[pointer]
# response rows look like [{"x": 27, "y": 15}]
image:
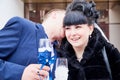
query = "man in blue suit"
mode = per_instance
[{"x": 19, "y": 45}]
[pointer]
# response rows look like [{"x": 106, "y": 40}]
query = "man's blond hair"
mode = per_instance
[{"x": 47, "y": 15}]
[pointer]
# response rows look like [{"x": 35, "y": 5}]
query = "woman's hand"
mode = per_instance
[{"x": 33, "y": 72}]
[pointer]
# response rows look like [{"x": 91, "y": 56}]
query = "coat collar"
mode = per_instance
[{"x": 95, "y": 44}]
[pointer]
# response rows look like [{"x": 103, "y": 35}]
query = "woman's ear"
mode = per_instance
[{"x": 91, "y": 29}]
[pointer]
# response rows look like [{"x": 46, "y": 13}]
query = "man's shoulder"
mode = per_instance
[{"x": 18, "y": 19}]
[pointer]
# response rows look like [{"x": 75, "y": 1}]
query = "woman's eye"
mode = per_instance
[
  {"x": 77, "y": 27},
  {"x": 67, "y": 28}
]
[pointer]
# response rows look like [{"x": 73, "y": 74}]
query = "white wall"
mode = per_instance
[
  {"x": 114, "y": 26},
  {"x": 10, "y": 8}
]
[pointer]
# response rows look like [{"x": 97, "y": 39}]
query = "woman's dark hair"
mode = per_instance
[{"x": 81, "y": 12}]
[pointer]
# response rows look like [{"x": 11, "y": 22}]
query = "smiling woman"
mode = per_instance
[{"x": 83, "y": 45}]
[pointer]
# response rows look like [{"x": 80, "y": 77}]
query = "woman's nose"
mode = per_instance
[{"x": 73, "y": 32}]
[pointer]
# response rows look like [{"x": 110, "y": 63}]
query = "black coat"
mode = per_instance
[{"x": 92, "y": 66}]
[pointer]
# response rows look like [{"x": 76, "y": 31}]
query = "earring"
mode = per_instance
[{"x": 90, "y": 36}]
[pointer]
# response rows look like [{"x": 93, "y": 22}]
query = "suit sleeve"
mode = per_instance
[{"x": 9, "y": 40}]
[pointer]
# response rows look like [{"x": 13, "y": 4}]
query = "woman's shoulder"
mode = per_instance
[{"x": 111, "y": 50}]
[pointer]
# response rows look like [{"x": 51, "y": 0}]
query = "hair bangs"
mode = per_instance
[{"x": 74, "y": 18}]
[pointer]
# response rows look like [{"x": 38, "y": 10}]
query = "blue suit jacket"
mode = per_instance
[{"x": 18, "y": 47}]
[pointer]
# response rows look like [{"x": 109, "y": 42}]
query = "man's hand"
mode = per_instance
[{"x": 33, "y": 72}]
